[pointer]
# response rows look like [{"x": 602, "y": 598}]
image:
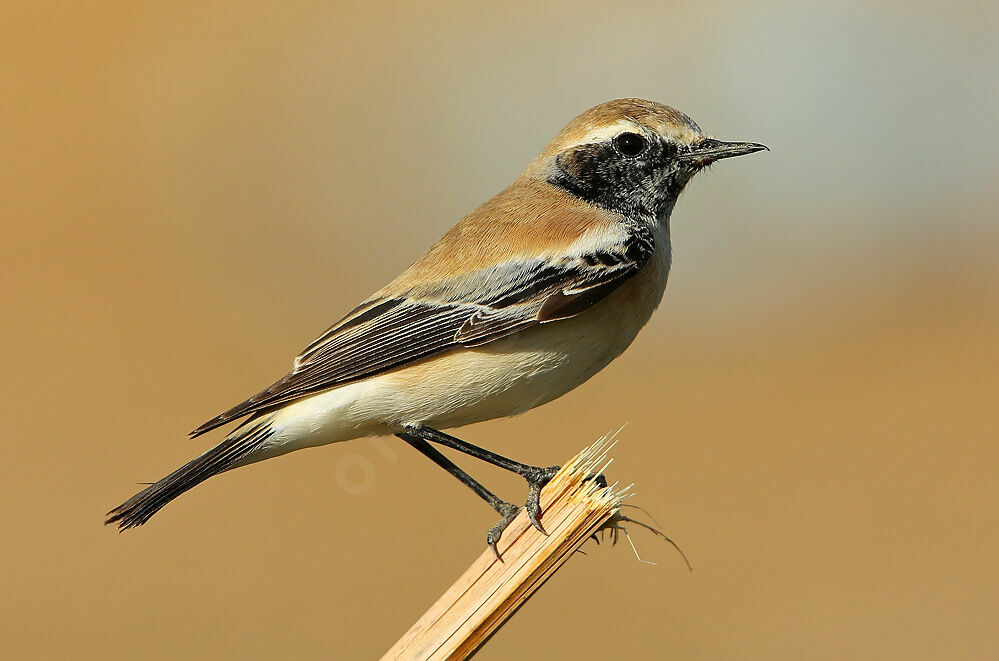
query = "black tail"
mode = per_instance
[{"x": 136, "y": 510}]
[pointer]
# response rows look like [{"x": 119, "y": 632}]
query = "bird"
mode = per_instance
[{"x": 523, "y": 300}]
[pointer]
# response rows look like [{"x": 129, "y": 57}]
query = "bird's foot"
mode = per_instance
[
  {"x": 509, "y": 512},
  {"x": 537, "y": 477}
]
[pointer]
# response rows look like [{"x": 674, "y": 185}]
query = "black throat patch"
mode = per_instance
[{"x": 637, "y": 187}]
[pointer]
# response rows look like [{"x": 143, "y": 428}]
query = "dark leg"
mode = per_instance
[
  {"x": 537, "y": 477},
  {"x": 507, "y": 510}
]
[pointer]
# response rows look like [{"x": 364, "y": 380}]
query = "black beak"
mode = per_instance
[{"x": 709, "y": 150}]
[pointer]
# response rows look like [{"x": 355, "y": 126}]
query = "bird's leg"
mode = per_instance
[
  {"x": 506, "y": 510},
  {"x": 435, "y": 456},
  {"x": 537, "y": 476}
]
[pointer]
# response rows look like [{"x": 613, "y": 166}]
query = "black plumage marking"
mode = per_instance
[
  {"x": 562, "y": 306},
  {"x": 544, "y": 279},
  {"x": 139, "y": 508},
  {"x": 640, "y": 244},
  {"x": 607, "y": 259},
  {"x": 367, "y": 315},
  {"x": 638, "y": 187}
]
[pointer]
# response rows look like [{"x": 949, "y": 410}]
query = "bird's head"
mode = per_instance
[{"x": 631, "y": 156}]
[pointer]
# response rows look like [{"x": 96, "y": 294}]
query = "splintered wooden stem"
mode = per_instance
[{"x": 491, "y": 590}]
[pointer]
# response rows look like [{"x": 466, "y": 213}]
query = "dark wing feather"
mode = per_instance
[{"x": 386, "y": 334}]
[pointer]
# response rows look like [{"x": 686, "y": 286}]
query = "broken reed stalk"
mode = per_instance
[{"x": 490, "y": 590}]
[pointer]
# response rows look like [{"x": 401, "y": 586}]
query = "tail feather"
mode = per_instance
[{"x": 139, "y": 508}]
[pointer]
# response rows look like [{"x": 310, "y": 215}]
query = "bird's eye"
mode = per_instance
[{"x": 630, "y": 144}]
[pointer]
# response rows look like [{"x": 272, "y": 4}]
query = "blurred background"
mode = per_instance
[{"x": 192, "y": 191}]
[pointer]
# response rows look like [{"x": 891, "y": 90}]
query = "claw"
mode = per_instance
[
  {"x": 509, "y": 512},
  {"x": 533, "y": 507},
  {"x": 536, "y": 480}
]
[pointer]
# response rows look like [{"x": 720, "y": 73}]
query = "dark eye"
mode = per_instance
[{"x": 630, "y": 144}]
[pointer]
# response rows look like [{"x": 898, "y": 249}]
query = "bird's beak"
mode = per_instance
[{"x": 709, "y": 150}]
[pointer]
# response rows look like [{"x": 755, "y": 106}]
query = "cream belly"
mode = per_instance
[{"x": 503, "y": 378}]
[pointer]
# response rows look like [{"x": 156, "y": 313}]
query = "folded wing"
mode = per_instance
[{"x": 474, "y": 309}]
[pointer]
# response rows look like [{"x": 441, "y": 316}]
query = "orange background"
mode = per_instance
[{"x": 192, "y": 191}]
